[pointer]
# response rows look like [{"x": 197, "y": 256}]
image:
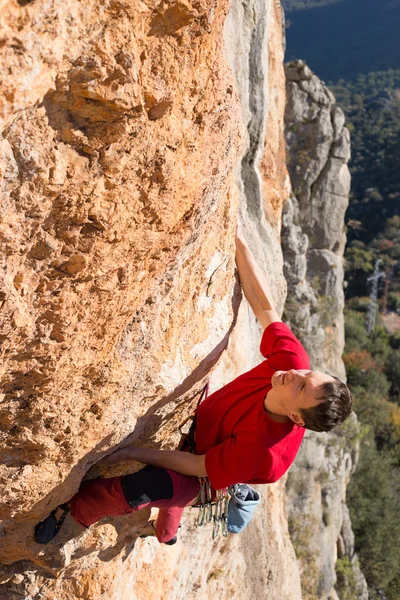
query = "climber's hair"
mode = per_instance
[{"x": 334, "y": 407}]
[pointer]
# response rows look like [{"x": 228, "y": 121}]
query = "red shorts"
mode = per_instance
[{"x": 99, "y": 498}]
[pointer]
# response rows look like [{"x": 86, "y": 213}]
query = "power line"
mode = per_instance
[{"x": 373, "y": 297}]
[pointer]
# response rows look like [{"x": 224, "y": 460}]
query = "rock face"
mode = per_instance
[
  {"x": 101, "y": 276},
  {"x": 313, "y": 240},
  {"x": 128, "y": 146}
]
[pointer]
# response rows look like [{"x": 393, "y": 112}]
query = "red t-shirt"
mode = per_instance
[{"x": 241, "y": 442}]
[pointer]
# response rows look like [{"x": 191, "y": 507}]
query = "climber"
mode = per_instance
[{"x": 249, "y": 431}]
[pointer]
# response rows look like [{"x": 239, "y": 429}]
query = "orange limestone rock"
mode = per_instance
[{"x": 122, "y": 132}]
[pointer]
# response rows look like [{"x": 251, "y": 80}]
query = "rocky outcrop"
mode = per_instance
[
  {"x": 318, "y": 151},
  {"x": 313, "y": 241},
  {"x": 128, "y": 146}
]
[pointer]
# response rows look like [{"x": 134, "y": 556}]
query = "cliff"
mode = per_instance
[
  {"x": 132, "y": 135},
  {"x": 313, "y": 240}
]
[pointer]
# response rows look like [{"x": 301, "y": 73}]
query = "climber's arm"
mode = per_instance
[
  {"x": 254, "y": 284},
  {"x": 181, "y": 462}
]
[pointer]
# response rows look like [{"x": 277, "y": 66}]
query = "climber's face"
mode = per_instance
[{"x": 298, "y": 389}]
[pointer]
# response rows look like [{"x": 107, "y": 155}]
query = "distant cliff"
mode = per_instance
[{"x": 313, "y": 240}]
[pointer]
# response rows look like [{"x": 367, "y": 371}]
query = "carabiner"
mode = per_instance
[
  {"x": 224, "y": 516},
  {"x": 201, "y": 515},
  {"x": 202, "y": 491},
  {"x": 209, "y": 493},
  {"x": 225, "y": 526},
  {"x": 215, "y": 528}
]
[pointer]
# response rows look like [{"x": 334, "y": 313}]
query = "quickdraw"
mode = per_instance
[
  {"x": 225, "y": 516},
  {"x": 209, "y": 502},
  {"x": 202, "y": 507},
  {"x": 220, "y": 501}
]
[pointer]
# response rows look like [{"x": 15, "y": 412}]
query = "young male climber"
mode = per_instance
[{"x": 249, "y": 431}]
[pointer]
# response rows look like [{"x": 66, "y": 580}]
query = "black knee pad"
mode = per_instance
[{"x": 147, "y": 485}]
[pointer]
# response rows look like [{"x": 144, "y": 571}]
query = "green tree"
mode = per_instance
[
  {"x": 392, "y": 372},
  {"x": 374, "y": 502}
]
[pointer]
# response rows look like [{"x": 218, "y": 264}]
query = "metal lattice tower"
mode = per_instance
[{"x": 373, "y": 297}]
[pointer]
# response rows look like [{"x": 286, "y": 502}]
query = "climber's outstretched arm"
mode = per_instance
[
  {"x": 254, "y": 284},
  {"x": 181, "y": 462}
]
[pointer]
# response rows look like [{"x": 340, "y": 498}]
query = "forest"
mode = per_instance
[{"x": 372, "y": 107}]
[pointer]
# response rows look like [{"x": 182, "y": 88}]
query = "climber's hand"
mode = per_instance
[{"x": 115, "y": 457}]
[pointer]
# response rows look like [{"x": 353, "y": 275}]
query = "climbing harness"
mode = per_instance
[{"x": 234, "y": 506}]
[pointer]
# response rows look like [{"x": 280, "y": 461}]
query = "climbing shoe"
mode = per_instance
[
  {"x": 171, "y": 542},
  {"x": 152, "y": 533},
  {"x": 46, "y": 530}
]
